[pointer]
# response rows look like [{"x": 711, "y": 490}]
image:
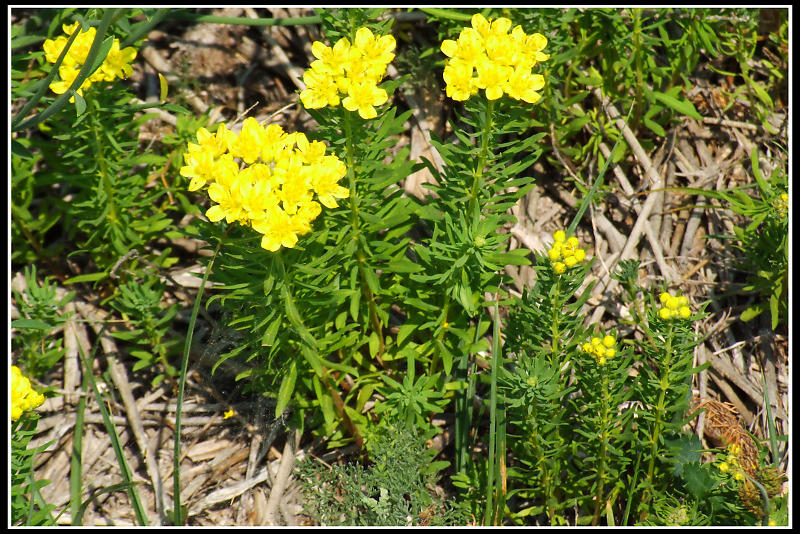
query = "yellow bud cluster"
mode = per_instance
[
  {"x": 732, "y": 464},
  {"x": 486, "y": 56},
  {"x": 273, "y": 192},
  {"x": 565, "y": 252},
  {"x": 115, "y": 65},
  {"x": 350, "y": 72},
  {"x": 602, "y": 349},
  {"x": 23, "y": 396},
  {"x": 674, "y": 307},
  {"x": 781, "y": 205}
]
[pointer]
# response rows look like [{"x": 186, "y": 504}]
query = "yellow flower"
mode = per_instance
[
  {"x": 724, "y": 467},
  {"x": 565, "y": 253},
  {"x": 503, "y": 61},
  {"x": 674, "y": 307},
  {"x": 363, "y": 97},
  {"x": 460, "y": 83},
  {"x": 274, "y": 191},
  {"x": 349, "y": 73},
  {"x": 376, "y": 50},
  {"x": 115, "y": 65},
  {"x": 491, "y": 77},
  {"x": 23, "y": 396},
  {"x": 601, "y": 349}
]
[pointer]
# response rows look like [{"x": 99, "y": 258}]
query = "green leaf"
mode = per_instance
[
  {"x": 681, "y": 106},
  {"x": 271, "y": 333},
  {"x": 80, "y": 104},
  {"x": 762, "y": 94},
  {"x": 128, "y": 335},
  {"x": 287, "y": 388},
  {"x": 31, "y": 324},
  {"x": 164, "y": 89},
  {"x": 374, "y": 344},
  {"x": 699, "y": 481},
  {"x": 686, "y": 449},
  {"x": 753, "y": 311},
  {"x": 655, "y": 127},
  {"x": 91, "y": 277},
  {"x": 406, "y": 330},
  {"x": 19, "y": 150}
]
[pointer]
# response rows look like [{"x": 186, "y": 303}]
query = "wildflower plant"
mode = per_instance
[
  {"x": 364, "y": 313},
  {"x": 545, "y": 335},
  {"x": 486, "y": 56},
  {"x": 23, "y": 396},
  {"x": 115, "y": 65},
  {"x": 26, "y": 504},
  {"x": 763, "y": 240},
  {"x": 349, "y": 73},
  {"x": 140, "y": 304},
  {"x": 330, "y": 277},
  {"x": 89, "y": 150},
  {"x": 588, "y": 433},
  {"x": 41, "y": 313}
]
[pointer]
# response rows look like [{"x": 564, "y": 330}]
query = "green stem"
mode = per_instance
[
  {"x": 102, "y": 163},
  {"x": 246, "y": 21},
  {"x": 555, "y": 322},
  {"x": 637, "y": 55},
  {"x": 355, "y": 218},
  {"x": 492, "y": 478},
  {"x": 660, "y": 410},
  {"x": 601, "y": 467},
  {"x": 483, "y": 156}
]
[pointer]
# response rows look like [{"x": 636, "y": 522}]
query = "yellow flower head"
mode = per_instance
[
  {"x": 265, "y": 178},
  {"x": 23, "y": 396},
  {"x": 602, "y": 349},
  {"x": 117, "y": 63},
  {"x": 674, "y": 307},
  {"x": 349, "y": 73},
  {"x": 486, "y": 56},
  {"x": 565, "y": 254}
]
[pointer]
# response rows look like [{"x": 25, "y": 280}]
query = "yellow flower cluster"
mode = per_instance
[
  {"x": 115, "y": 65},
  {"x": 486, "y": 56},
  {"x": 674, "y": 307},
  {"x": 781, "y": 205},
  {"x": 732, "y": 463},
  {"x": 602, "y": 349},
  {"x": 565, "y": 252},
  {"x": 352, "y": 71},
  {"x": 274, "y": 190},
  {"x": 23, "y": 396}
]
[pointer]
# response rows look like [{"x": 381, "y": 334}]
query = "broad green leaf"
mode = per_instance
[
  {"x": 268, "y": 339},
  {"x": 753, "y": 311},
  {"x": 655, "y": 127},
  {"x": 90, "y": 277},
  {"x": 32, "y": 324},
  {"x": 19, "y": 150},
  {"x": 681, "y": 106},
  {"x": 699, "y": 481},
  {"x": 286, "y": 389},
  {"x": 163, "y": 85}
]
